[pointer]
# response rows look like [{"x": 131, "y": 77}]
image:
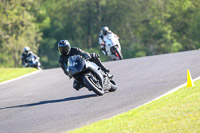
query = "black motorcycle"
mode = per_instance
[{"x": 90, "y": 75}]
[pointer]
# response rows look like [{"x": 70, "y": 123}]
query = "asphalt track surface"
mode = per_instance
[{"x": 46, "y": 102}]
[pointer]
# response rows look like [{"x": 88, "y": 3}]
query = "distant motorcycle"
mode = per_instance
[
  {"x": 112, "y": 47},
  {"x": 90, "y": 75},
  {"x": 32, "y": 61}
]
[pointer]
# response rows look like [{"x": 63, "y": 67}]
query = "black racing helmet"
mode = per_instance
[
  {"x": 64, "y": 47},
  {"x": 104, "y": 30}
]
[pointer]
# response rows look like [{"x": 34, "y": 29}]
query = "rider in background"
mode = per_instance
[
  {"x": 104, "y": 31},
  {"x": 67, "y": 51},
  {"x": 26, "y": 53}
]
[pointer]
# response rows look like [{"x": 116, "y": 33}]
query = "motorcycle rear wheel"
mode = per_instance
[{"x": 93, "y": 85}]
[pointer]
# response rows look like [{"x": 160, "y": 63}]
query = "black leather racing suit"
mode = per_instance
[
  {"x": 24, "y": 58},
  {"x": 77, "y": 51}
]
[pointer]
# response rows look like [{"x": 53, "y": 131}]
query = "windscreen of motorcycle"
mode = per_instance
[{"x": 75, "y": 64}]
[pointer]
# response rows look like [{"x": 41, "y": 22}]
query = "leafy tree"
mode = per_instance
[
  {"x": 17, "y": 30},
  {"x": 145, "y": 27}
]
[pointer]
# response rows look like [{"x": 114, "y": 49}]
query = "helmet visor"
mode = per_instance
[
  {"x": 105, "y": 32},
  {"x": 64, "y": 50}
]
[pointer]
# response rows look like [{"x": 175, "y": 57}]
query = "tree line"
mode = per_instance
[{"x": 145, "y": 27}]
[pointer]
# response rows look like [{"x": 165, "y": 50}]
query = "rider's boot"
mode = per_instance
[
  {"x": 77, "y": 85},
  {"x": 95, "y": 58},
  {"x": 100, "y": 64},
  {"x": 104, "y": 50},
  {"x": 105, "y": 69}
]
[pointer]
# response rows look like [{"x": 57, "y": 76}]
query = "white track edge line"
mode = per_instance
[
  {"x": 23, "y": 76},
  {"x": 169, "y": 92}
]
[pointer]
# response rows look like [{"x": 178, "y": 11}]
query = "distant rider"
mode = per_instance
[
  {"x": 104, "y": 31},
  {"x": 27, "y": 53},
  {"x": 67, "y": 51}
]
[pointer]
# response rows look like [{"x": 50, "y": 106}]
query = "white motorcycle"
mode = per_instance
[{"x": 112, "y": 47}]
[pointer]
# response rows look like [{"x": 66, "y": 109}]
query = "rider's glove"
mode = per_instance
[{"x": 94, "y": 55}]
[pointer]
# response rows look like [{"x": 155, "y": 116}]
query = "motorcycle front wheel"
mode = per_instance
[
  {"x": 117, "y": 53},
  {"x": 113, "y": 86},
  {"x": 92, "y": 82}
]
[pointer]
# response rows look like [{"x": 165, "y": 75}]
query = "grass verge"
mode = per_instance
[
  {"x": 177, "y": 112},
  {"x": 10, "y": 73}
]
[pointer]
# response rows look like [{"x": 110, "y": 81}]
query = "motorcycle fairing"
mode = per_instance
[
  {"x": 32, "y": 61},
  {"x": 95, "y": 69},
  {"x": 75, "y": 64},
  {"x": 111, "y": 41}
]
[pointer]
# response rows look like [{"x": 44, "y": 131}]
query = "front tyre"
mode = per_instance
[
  {"x": 117, "y": 53},
  {"x": 113, "y": 86},
  {"x": 93, "y": 83}
]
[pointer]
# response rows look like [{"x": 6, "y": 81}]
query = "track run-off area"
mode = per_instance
[{"x": 46, "y": 102}]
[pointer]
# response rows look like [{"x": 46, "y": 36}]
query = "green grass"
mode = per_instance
[
  {"x": 10, "y": 73},
  {"x": 177, "y": 112}
]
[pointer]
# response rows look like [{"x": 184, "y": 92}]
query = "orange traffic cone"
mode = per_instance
[{"x": 189, "y": 80}]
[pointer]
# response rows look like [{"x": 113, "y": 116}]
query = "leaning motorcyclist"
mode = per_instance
[
  {"x": 104, "y": 31},
  {"x": 27, "y": 53},
  {"x": 67, "y": 51}
]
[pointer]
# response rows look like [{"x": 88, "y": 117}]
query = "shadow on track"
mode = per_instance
[{"x": 51, "y": 101}]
